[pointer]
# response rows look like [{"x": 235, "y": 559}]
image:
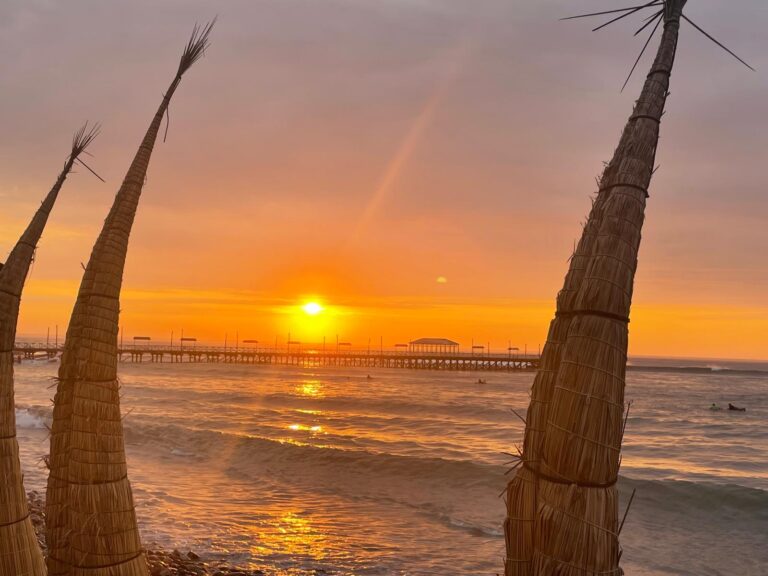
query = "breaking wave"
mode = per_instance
[{"x": 29, "y": 419}]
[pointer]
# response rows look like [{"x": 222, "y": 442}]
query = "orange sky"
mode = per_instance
[{"x": 354, "y": 152}]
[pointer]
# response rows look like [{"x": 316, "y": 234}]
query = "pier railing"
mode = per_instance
[{"x": 301, "y": 356}]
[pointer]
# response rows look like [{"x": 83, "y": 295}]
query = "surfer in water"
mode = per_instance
[
  {"x": 715, "y": 407},
  {"x": 736, "y": 408}
]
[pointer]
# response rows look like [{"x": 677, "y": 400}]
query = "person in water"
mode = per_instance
[
  {"x": 736, "y": 408},
  {"x": 714, "y": 407}
]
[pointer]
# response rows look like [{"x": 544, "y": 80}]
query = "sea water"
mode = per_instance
[{"x": 397, "y": 472}]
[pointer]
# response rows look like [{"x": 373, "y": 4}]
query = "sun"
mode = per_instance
[{"x": 312, "y": 308}]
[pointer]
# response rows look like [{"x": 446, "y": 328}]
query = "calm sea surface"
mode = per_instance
[{"x": 290, "y": 469}]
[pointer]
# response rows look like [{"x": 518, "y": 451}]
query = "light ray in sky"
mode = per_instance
[{"x": 458, "y": 59}]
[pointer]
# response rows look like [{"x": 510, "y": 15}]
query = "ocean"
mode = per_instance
[{"x": 401, "y": 473}]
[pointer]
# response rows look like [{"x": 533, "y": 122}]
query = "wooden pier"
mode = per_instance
[{"x": 305, "y": 358}]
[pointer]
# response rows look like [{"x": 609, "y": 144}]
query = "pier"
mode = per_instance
[{"x": 306, "y": 357}]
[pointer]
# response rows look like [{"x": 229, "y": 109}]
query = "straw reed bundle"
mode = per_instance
[
  {"x": 90, "y": 517},
  {"x": 20, "y": 553},
  {"x": 562, "y": 506},
  {"x": 521, "y": 493}
]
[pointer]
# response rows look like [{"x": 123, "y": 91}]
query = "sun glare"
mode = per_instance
[{"x": 312, "y": 308}]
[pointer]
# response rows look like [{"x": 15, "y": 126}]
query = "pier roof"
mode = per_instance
[{"x": 435, "y": 342}]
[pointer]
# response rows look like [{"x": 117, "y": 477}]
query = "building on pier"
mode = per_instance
[{"x": 433, "y": 346}]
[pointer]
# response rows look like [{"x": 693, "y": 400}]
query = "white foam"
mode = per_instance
[
  {"x": 26, "y": 419},
  {"x": 469, "y": 526}
]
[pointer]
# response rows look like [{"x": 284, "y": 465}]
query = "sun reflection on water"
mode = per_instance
[
  {"x": 292, "y": 534},
  {"x": 305, "y": 428},
  {"x": 311, "y": 388}
]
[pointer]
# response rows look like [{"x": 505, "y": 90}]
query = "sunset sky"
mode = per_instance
[{"x": 417, "y": 167}]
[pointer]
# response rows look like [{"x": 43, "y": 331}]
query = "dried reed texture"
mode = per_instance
[
  {"x": 571, "y": 537},
  {"x": 91, "y": 524},
  {"x": 577, "y": 510},
  {"x": 20, "y": 553},
  {"x": 521, "y": 498}
]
